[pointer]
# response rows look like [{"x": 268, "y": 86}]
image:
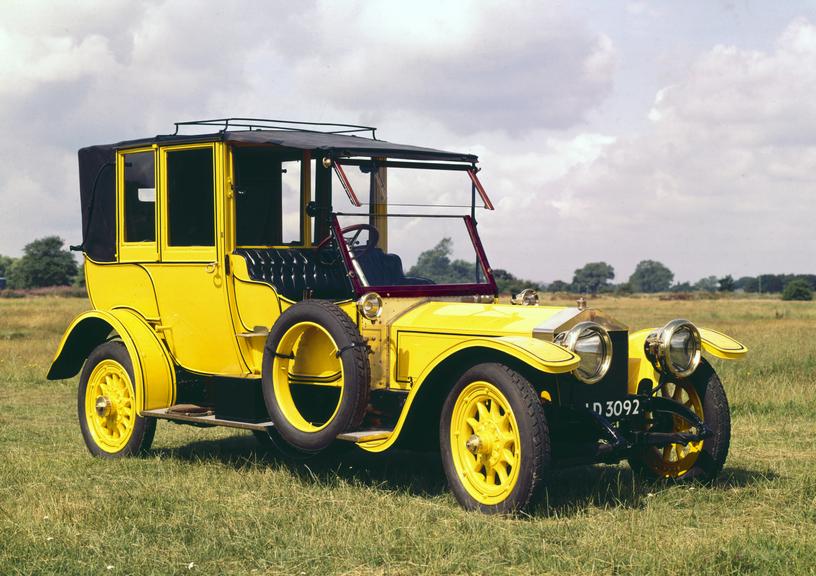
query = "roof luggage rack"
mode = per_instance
[{"x": 268, "y": 124}]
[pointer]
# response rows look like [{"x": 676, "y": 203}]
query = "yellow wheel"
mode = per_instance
[
  {"x": 703, "y": 394},
  {"x": 493, "y": 439},
  {"x": 107, "y": 404},
  {"x": 315, "y": 375}
]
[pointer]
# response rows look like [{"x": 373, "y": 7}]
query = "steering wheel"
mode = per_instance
[{"x": 351, "y": 234}]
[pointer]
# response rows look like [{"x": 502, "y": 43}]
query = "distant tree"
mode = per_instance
[
  {"x": 707, "y": 284},
  {"x": 797, "y": 289},
  {"x": 436, "y": 264},
  {"x": 726, "y": 284},
  {"x": 593, "y": 277},
  {"x": 507, "y": 283},
  {"x": 771, "y": 283},
  {"x": 809, "y": 278},
  {"x": 682, "y": 287},
  {"x": 6, "y": 262},
  {"x": 559, "y": 286},
  {"x": 651, "y": 276},
  {"x": 747, "y": 283},
  {"x": 623, "y": 289},
  {"x": 79, "y": 279},
  {"x": 44, "y": 263}
]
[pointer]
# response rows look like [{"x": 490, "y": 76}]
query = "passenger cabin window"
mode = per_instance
[
  {"x": 190, "y": 198},
  {"x": 140, "y": 197},
  {"x": 267, "y": 197}
]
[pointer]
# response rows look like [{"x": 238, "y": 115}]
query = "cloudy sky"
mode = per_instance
[{"x": 683, "y": 132}]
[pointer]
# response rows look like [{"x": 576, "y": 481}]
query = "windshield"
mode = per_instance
[{"x": 414, "y": 254}]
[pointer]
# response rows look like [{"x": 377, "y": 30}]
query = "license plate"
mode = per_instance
[{"x": 613, "y": 408}]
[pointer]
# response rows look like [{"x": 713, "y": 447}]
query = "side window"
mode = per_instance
[
  {"x": 140, "y": 197},
  {"x": 190, "y": 198},
  {"x": 267, "y": 198}
]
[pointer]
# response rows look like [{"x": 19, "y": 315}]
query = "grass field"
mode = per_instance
[{"x": 208, "y": 501}]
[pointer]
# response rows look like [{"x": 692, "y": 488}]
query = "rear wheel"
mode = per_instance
[
  {"x": 494, "y": 440},
  {"x": 106, "y": 405},
  {"x": 703, "y": 394}
]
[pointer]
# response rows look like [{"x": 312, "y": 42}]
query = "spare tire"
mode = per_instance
[{"x": 315, "y": 375}]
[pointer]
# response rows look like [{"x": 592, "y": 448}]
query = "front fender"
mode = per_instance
[
  {"x": 715, "y": 343},
  {"x": 153, "y": 368},
  {"x": 540, "y": 355}
]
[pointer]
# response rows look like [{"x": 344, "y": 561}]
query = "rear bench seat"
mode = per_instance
[{"x": 291, "y": 271}]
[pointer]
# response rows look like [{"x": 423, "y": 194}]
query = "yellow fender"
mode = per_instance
[
  {"x": 720, "y": 345},
  {"x": 715, "y": 343},
  {"x": 153, "y": 368},
  {"x": 539, "y": 354}
]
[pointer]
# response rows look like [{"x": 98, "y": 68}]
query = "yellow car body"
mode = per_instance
[{"x": 203, "y": 308}]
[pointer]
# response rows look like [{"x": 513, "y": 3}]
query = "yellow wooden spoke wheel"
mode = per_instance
[
  {"x": 703, "y": 394},
  {"x": 674, "y": 460},
  {"x": 110, "y": 406},
  {"x": 494, "y": 440},
  {"x": 485, "y": 442},
  {"x": 107, "y": 406}
]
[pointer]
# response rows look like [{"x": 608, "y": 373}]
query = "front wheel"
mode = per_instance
[
  {"x": 494, "y": 440},
  {"x": 703, "y": 394},
  {"x": 106, "y": 405}
]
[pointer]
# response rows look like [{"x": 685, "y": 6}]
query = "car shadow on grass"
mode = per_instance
[
  {"x": 417, "y": 473},
  {"x": 569, "y": 492}
]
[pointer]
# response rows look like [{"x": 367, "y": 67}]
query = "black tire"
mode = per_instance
[
  {"x": 142, "y": 429},
  {"x": 716, "y": 416},
  {"x": 353, "y": 354},
  {"x": 533, "y": 433}
]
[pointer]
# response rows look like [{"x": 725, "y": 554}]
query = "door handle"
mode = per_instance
[{"x": 211, "y": 267}]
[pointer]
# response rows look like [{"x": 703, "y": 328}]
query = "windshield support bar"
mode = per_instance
[
  {"x": 338, "y": 169},
  {"x": 480, "y": 189}
]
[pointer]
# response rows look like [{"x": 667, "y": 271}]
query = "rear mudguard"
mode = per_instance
[
  {"x": 540, "y": 355},
  {"x": 153, "y": 368}
]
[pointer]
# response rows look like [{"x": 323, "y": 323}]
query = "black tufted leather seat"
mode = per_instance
[{"x": 291, "y": 271}]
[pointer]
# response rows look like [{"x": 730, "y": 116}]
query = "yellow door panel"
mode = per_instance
[
  {"x": 116, "y": 285},
  {"x": 196, "y": 317}
]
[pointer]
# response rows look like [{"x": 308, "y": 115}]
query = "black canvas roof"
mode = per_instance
[
  {"x": 335, "y": 145},
  {"x": 97, "y": 183}
]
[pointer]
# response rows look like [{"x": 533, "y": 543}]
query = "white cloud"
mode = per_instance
[{"x": 722, "y": 180}]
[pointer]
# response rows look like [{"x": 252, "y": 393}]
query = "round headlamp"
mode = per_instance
[
  {"x": 676, "y": 348},
  {"x": 370, "y": 305},
  {"x": 527, "y": 297},
  {"x": 592, "y": 343}
]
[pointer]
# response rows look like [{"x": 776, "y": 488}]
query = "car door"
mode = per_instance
[{"x": 190, "y": 279}]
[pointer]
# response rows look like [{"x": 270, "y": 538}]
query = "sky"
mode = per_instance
[{"x": 683, "y": 132}]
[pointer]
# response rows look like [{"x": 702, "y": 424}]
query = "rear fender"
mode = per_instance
[{"x": 153, "y": 368}]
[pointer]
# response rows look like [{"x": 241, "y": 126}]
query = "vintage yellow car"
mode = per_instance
[{"x": 228, "y": 290}]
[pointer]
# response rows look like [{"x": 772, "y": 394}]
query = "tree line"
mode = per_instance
[
  {"x": 651, "y": 276},
  {"x": 46, "y": 263}
]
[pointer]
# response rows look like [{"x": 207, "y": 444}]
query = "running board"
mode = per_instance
[
  {"x": 358, "y": 436},
  {"x": 208, "y": 420}
]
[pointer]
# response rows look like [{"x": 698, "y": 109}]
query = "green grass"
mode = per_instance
[{"x": 207, "y": 501}]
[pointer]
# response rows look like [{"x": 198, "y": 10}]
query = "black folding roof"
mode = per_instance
[
  {"x": 330, "y": 144},
  {"x": 97, "y": 182}
]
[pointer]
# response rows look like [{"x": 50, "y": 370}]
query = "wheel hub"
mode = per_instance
[{"x": 103, "y": 406}]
